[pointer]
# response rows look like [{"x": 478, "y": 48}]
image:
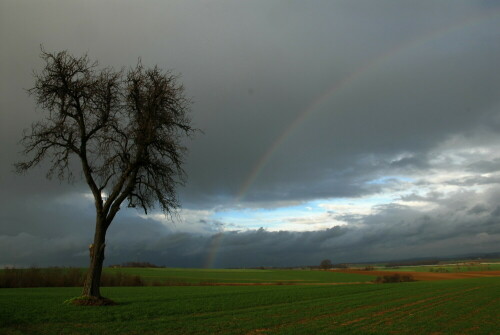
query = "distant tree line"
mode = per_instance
[
  {"x": 61, "y": 277},
  {"x": 136, "y": 265},
  {"x": 303, "y": 267},
  {"x": 412, "y": 263}
]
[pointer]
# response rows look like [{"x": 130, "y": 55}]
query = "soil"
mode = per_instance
[
  {"x": 91, "y": 301},
  {"x": 426, "y": 275}
]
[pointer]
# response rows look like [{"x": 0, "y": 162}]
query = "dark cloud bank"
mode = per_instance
[
  {"x": 457, "y": 226},
  {"x": 413, "y": 90}
]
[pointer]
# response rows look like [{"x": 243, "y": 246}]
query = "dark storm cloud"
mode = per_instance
[
  {"x": 429, "y": 197},
  {"x": 476, "y": 180},
  {"x": 458, "y": 225},
  {"x": 253, "y": 70},
  {"x": 392, "y": 82},
  {"x": 485, "y": 166}
]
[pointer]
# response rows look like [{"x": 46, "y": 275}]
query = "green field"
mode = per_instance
[
  {"x": 468, "y": 306},
  {"x": 207, "y": 276}
]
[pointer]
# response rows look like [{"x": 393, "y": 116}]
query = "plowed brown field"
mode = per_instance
[{"x": 427, "y": 275}]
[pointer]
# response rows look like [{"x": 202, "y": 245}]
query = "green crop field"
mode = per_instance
[
  {"x": 195, "y": 276},
  {"x": 465, "y": 306}
]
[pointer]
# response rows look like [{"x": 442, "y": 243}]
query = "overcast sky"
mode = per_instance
[{"x": 349, "y": 130}]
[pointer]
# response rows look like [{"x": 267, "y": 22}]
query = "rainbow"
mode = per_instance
[
  {"x": 212, "y": 250},
  {"x": 347, "y": 81},
  {"x": 332, "y": 92}
]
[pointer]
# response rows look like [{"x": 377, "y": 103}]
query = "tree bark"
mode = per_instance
[{"x": 91, "y": 287}]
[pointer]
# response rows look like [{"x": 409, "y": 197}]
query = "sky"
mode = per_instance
[{"x": 354, "y": 131}]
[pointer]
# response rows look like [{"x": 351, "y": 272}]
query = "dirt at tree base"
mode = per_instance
[{"x": 91, "y": 301}]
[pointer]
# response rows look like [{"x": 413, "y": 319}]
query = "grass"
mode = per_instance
[
  {"x": 196, "y": 276},
  {"x": 467, "y": 306}
]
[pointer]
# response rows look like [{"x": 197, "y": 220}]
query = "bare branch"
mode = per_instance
[{"x": 125, "y": 129}]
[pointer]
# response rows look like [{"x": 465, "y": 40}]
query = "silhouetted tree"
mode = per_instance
[
  {"x": 326, "y": 264},
  {"x": 124, "y": 127}
]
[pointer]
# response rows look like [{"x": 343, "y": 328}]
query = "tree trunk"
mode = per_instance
[{"x": 91, "y": 287}]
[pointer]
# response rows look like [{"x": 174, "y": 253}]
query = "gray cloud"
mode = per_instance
[
  {"x": 458, "y": 225},
  {"x": 485, "y": 166}
]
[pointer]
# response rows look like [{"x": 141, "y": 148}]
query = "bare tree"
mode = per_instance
[{"x": 124, "y": 127}]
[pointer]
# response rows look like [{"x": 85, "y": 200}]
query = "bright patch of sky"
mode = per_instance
[
  {"x": 388, "y": 179},
  {"x": 308, "y": 216}
]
